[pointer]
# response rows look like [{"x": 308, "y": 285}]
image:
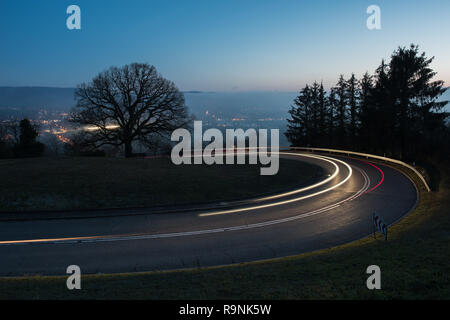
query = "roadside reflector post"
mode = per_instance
[
  {"x": 379, "y": 225},
  {"x": 374, "y": 226}
]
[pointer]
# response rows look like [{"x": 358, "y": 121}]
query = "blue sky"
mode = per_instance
[{"x": 215, "y": 45}]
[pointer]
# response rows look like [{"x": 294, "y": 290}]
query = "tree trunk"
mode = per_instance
[{"x": 128, "y": 149}]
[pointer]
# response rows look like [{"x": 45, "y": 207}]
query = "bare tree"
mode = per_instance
[{"x": 127, "y": 104}]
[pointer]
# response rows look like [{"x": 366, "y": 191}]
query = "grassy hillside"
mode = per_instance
[{"x": 91, "y": 183}]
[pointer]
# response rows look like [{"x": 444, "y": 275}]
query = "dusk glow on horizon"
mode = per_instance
[{"x": 216, "y": 45}]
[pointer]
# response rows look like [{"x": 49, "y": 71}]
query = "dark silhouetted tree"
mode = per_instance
[
  {"x": 366, "y": 112},
  {"x": 396, "y": 112},
  {"x": 323, "y": 113},
  {"x": 382, "y": 123},
  {"x": 341, "y": 111},
  {"x": 314, "y": 137},
  {"x": 128, "y": 104},
  {"x": 413, "y": 94},
  {"x": 331, "y": 118},
  {"x": 299, "y": 126},
  {"x": 27, "y": 146},
  {"x": 352, "y": 97}
]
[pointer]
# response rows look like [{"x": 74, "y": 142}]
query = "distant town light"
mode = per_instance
[{"x": 109, "y": 127}]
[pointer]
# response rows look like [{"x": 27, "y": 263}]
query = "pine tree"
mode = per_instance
[
  {"x": 314, "y": 134},
  {"x": 413, "y": 96},
  {"x": 299, "y": 126},
  {"x": 341, "y": 111},
  {"x": 366, "y": 111},
  {"x": 395, "y": 112},
  {"x": 383, "y": 122},
  {"x": 323, "y": 112},
  {"x": 332, "y": 103},
  {"x": 28, "y": 146},
  {"x": 352, "y": 96}
]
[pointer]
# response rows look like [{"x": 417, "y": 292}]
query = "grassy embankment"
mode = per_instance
[
  {"x": 97, "y": 183},
  {"x": 414, "y": 264}
]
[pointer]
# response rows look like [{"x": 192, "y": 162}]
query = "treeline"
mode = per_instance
[
  {"x": 394, "y": 112},
  {"x": 19, "y": 140}
]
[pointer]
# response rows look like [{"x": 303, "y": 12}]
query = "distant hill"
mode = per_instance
[
  {"x": 249, "y": 104},
  {"x": 233, "y": 104},
  {"x": 37, "y": 98},
  {"x": 45, "y": 97}
]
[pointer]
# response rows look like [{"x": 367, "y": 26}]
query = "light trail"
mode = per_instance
[
  {"x": 285, "y": 201},
  {"x": 91, "y": 239},
  {"x": 382, "y": 175},
  {"x": 281, "y": 195},
  {"x": 130, "y": 237},
  {"x": 289, "y": 193}
]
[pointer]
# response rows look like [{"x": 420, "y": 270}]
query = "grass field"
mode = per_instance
[
  {"x": 92, "y": 183},
  {"x": 414, "y": 265}
]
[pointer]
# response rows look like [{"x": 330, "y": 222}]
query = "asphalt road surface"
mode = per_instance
[{"x": 334, "y": 211}]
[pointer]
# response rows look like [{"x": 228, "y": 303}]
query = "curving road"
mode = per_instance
[{"x": 334, "y": 211}]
